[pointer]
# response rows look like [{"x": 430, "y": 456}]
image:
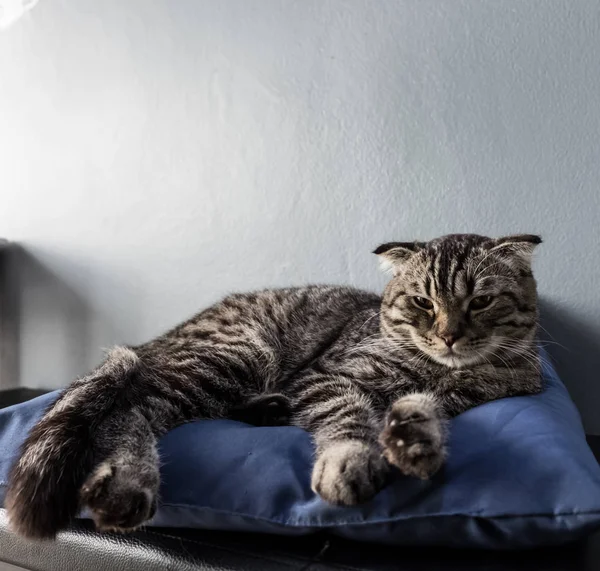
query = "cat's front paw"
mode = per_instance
[
  {"x": 414, "y": 435},
  {"x": 121, "y": 497},
  {"x": 349, "y": 472}
]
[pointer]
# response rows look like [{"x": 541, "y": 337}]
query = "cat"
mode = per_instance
[{"x": 373, "y": 378}]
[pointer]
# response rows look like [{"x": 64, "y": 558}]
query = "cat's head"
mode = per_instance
[{"x": 462, "y": 297}]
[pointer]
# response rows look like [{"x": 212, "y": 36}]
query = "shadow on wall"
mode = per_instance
[
  {"x": 575, "y": 351},
  {"x": 46, "y": 323},
  {"x": 9, "y": 321}
]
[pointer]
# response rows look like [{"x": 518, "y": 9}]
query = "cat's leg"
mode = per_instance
[
  {"x": 349, "y": 468},
  {"x": 415, "y": 428},
  {"x": 414, "y": 435},
  {"x": 121, "y": 491},
  {"x": 164, "y": 385}
]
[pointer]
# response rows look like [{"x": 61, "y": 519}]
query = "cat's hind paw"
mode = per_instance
[{"x": 121, "y": 497}]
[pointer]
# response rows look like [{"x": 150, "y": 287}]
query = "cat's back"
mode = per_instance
[
  {"x": 305, "y": 308},
  {"x": 318, "y": 297},
  {"x": 289, "y": 313}
]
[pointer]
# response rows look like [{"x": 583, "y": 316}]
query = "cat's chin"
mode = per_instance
[{"x": 457, "y": 360}]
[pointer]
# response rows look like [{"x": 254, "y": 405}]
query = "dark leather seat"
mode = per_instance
[{"x": 81, "y": 549}]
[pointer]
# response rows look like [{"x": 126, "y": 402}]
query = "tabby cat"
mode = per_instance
[{"x": 372, "y": 378}]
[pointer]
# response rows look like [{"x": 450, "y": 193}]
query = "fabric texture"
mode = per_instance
[{"x": 519, "y": 474}]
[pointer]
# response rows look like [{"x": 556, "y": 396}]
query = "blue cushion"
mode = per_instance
[{"x": 519, "y": 474}]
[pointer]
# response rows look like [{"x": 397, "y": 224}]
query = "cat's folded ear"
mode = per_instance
[
  {"x": 520, "y": 245},
  {"x": 393, "y": 254}
]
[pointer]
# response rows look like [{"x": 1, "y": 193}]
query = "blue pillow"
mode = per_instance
[{"x": 519, "y": 474}]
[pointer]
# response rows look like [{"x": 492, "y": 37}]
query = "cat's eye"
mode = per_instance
[
  {"x": 422, "y": 303},
  {"x": 481, "y": 302}
]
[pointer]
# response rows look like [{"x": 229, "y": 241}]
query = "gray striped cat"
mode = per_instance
[{"x": 372, "y": 378}]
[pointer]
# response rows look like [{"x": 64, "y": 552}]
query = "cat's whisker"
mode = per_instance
[
  {"x": 540, "y": 326},
  {"x": 370, "y": 318},
  {"x": 519, "y": 350},
  {"x": 507, "y": 365}
]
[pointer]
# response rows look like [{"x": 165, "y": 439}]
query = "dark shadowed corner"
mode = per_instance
[
  {"x": 575, "y": 350},
  {"x": 9, "y": 318},
  {"x": 36, "y": 300}
]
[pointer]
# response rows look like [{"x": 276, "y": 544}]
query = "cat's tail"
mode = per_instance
[{"x": 43, "y": 489}]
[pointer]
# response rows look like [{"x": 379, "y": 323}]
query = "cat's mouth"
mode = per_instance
[
  {"x": 459, "y": 356},
  {"x": 456, "y": 359}
]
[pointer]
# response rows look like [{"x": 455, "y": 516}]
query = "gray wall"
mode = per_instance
[{"x": 157, "y": 154}]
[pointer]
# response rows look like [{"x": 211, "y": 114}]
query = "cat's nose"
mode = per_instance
[{"x": 449, "y": 339}]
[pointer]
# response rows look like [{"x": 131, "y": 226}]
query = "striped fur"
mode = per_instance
[{"x": 372, "y": 378}]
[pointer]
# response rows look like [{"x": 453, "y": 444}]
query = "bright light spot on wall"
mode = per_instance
[{"x": 12, "y": 10}]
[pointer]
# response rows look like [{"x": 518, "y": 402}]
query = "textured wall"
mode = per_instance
[{"x": 157, "y": 154}]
